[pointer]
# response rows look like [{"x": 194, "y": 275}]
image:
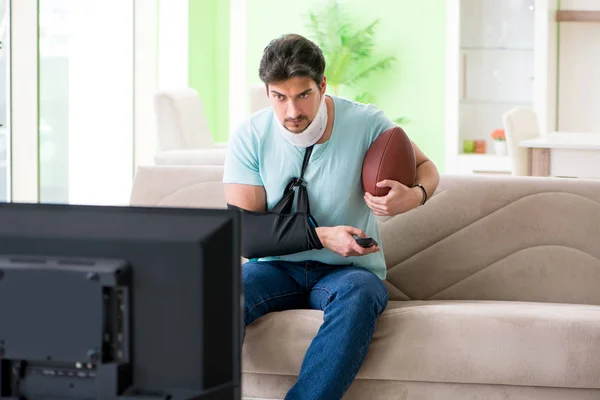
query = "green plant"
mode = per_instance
[{"x": 348, "y": 50}]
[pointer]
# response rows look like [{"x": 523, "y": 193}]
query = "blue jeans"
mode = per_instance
[{"x": 352, "y": 299}]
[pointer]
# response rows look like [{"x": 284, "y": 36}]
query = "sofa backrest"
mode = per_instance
[
  {"x": 477, "y": 238},
  {"x": 498, "y": 238}
]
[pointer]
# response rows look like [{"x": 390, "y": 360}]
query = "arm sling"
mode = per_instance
[{"x": 279, "y": 231}]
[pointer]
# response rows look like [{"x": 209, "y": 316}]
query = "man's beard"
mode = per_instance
[
  {"x": 313, "y": 131},
  {"x": 299, "y": 120},
  {"x": 293, "y": 124}
]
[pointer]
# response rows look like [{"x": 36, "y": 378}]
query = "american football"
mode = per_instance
[{"x": 390, "y": 156}]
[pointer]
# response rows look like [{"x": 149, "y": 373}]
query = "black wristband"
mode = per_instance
[{"x": 424, "y": 192}]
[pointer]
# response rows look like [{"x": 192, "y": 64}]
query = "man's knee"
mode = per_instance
[
  {"x": 365, "y": 290},
  {"x": 267, "y": 289}
]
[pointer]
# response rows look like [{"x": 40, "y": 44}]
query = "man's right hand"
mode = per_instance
[{"x": 340, "y": 240}]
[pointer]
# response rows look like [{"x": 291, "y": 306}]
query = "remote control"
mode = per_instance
[{"x": 365, "y": 242}]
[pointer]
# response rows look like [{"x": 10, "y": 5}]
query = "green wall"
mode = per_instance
[
  {"x": 413, "y": 31},
  {"x": 208, "y": 70}
]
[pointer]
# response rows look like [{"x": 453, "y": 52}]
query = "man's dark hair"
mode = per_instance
[{"x": 291, "y": 55}]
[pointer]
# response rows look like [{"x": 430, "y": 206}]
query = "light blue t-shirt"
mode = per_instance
[{"x": 258, "y": 154}]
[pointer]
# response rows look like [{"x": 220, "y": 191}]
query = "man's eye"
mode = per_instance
[
  {"x": 304, "y": 95},
  {"x": 278, "y": 97}
]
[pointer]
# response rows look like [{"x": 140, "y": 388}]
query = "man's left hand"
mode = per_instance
[{"x": 400, "y": 199}]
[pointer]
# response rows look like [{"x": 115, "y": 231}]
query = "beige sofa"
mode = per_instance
[{"x": 494, "y": 292}]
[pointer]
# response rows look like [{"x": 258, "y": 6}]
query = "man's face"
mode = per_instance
[{"x": 296, "y": 101}]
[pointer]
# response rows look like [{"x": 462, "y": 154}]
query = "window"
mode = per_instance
[
  {"x": 86, "y": 89},
  {"x": 4, "y": 101}
]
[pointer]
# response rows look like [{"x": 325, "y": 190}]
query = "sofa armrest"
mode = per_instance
[{"x": 197, "y": 186}]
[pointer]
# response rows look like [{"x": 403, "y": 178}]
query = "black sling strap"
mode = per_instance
[
  {"x": 284, "y": 206},
  {"x": 279, "y": 231}
]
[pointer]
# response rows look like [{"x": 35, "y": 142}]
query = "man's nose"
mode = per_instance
[{"x": 293, "y": 111}]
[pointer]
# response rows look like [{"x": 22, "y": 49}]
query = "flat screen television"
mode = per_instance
[{"x": 124, "y": 303}]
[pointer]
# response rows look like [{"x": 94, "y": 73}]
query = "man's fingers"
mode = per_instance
[
  {"x": 380, "y": 200},
  {"x": 361, "y": 251},
  {"x": 376, "y": 208},
  {"x": 379, "y": 213},
  {"x": 388, "y": 183},
  {"x": 371, "y": 203},
  {"x": 354, "y": 248},
  {"x": 357, "y": 248},
  {"x": 355, "y": 231}
]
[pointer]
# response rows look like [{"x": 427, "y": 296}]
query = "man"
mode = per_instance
[{"x": 308, "y": 257}]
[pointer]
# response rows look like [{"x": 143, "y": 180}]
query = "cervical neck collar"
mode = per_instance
[{"x": 313, "y": 132}]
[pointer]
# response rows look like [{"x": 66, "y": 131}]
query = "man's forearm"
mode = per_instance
[
  {"x": 267, "y": 234},
  {"x": 428, "y": 176}
]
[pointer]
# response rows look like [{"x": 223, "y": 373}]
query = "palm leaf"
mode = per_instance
[
  {"x": 362, "y": 42},
  {"x": 381, "y": 65},
  {"x": 315, "y": 27},
  {"x": 347, "y": 49}
]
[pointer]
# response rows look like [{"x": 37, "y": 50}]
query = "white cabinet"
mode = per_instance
[
  {"x": 502, "y": 54},
  {"x": 490, "y": 70},
  {"x": 578, "y": 75}
]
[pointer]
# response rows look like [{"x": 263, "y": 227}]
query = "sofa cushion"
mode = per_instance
[{"x": 480, "y": 342}]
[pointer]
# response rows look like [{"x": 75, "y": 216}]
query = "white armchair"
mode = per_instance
[
  {"x": 183, "y": 134},
  {"x": 258, "y": 98},
  {"x": 520, "y": 123}
]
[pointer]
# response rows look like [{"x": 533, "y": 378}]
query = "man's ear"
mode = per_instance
[{"x": 323, "y": 86}]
